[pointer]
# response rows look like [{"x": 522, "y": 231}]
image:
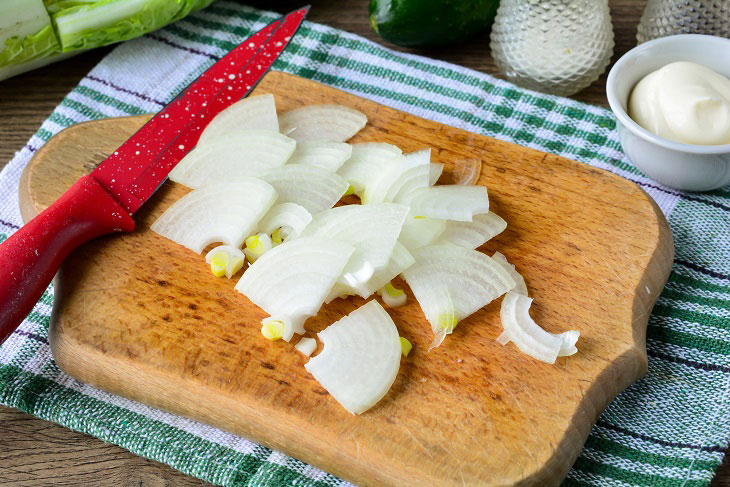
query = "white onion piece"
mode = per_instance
[
  {"x": 399, "y": 261},
  {"x": 326, "y": 123},
  {"x": 327, "y": 155},
  {"x": 520, "y": 286},
  {"x": 473, "y": 234},
  {"x": 447, "y": 320},
  {"x": 314, "y": 188},
  {"x": 372, "y": 229},
  {"x": 224, "y": 212},
  {"x": 291, "y": 281},
  {"x": 367, "y": 163},
  {"x": 256, "y": 246},
  {"x": 360, "y": 359},
  {"x": 435, "y": 171},
  {"x": 290, "y": 217},
  {"x": 307, "y": 346},
  {"x": 471, "y": 279},
  {"x": 467, "y": 171},
  {"x": 248, "y": 153},
  {"x": 251, "y": 113},
  {"x": 419, "y": 232},
  {"x": 528, "y": 336},
  {"x": 393, "y": 297},
  {"x": 408, "y": 173},
  {"x": 449, "y": 202},
  {"x": 234, "y": 261}
]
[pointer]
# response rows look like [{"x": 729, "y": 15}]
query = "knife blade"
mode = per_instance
[{"x": 104, "y": 201}]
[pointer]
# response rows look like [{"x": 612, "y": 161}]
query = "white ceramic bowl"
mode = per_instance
[{"x": 682, "y": 166}]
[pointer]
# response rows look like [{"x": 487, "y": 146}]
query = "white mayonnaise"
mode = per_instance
[{"x": 684, "y": 102}]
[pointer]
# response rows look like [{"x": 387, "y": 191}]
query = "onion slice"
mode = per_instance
[
  {"x": 251, "y": 113},
  {"x": 231, "y": 258},
  {"x": 314, "y": 188},
  {"x": 327, "y": 155},
  {"x": 367, "y": 163},
  {"x": 399, "y": 261},
  {"x": 306, "y": 345},
  {"x": 289, "y": 217},
  {"x": 434, "y": 173},
  {"x": 326, "y": 123},
  {"x": 248, "y": 153},
  {"x": 395, "y": 182},
  {"x": 449, "y": 202},
  {"x": 372, "y": 229},
  {"x": 291, "y": 281},
  {"x": 419, "y": 232},
  {"x": 467, "y": 171},
  {"x": 528, "y": 336},
  {"x": 393, "y": 297},
  {"x": 520, "y": 286},
  {"x": 473, "y": 234},
  {"x": 360, "y": 359},
  {"x": 447, "y": 277},
  {"x": 223, "y": 212}
]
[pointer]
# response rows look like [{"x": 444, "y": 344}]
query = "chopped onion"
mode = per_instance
[
  {"x": 392, "y": 296},
  {"x": 399, "y": 261},
  {"x": 367, "y": 163},
  {"x": 291, "y": 280},
  {"x": 225, "y": 212},
  {"x": 307, "y": 346},
  {"x": 449, "y": 202},
  {"x": 405, "y": 346},
  {"x": 520, "y": 286},
  {"x": 288, "y": 218},
  {"x": 528, "y": 336},
  {"x": 360, "y": 359},
  {"x": 446, "y": 321},
  {"x": 251, "y": 113},
  {"x": 272, "y": 329},
  {"x": 372, "y": 229},
  {"x": 434, "y": 173},
  {"x": 327, "y": 123},
  {"x": 473, "y": 234},
  {"x": 256, "y": 246},
  {"x": 327, "y": 155},
  {"x": 465, "y": 277},
  {"x": 419, "y": 232},
  {"x": 467, "y": 171},
  {"x": 248, "y": 153},
  {"x": 311, "y": 187},
  {"x": 395, "y": 182},
  {"x": 225, "y": 260}
]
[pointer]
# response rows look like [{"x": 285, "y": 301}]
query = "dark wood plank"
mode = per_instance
[
  {"x": 26, "y": 100},
  {"x": 34, "y": 452}
]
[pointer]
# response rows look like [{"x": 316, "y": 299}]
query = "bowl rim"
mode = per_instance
[{"x": 624, "y": 118}]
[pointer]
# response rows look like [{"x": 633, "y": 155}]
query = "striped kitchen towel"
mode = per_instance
[{"x": 670, "y": 428}]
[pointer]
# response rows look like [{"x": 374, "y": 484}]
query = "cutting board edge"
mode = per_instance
[{"x": 72, "y": 357}]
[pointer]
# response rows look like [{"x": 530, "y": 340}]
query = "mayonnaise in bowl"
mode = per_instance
[{"x": 683, "y": 102}]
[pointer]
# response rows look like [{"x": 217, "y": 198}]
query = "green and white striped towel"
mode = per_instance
[{"x": 670, "y": 428}]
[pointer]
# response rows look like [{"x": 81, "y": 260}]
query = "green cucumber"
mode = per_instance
[{"x": 430, "y": 23}]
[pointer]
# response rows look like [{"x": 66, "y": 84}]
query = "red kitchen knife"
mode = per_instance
[{"x": 104, "y": 201}]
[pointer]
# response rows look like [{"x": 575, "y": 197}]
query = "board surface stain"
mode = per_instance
[{"x": 140, "y": 316}]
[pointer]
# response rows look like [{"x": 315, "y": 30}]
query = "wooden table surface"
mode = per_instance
[{"x": 34, "y": 452}]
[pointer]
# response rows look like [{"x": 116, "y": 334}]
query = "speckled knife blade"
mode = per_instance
[{"x": 133, "y": 172}]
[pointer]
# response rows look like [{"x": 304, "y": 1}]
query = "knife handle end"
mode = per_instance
[{"x": 31, "y": 256}]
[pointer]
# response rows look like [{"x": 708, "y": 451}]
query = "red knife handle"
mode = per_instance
[{"x": 31, "y": 256}]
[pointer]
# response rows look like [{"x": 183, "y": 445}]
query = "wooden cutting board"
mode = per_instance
[{"x": 142, "y": 317}]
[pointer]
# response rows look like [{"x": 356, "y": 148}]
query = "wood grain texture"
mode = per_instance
[
  {"x": 36, "y": 453},
  {"x": 143, "y": 317},
  {"x": 26, "y": 100}
]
